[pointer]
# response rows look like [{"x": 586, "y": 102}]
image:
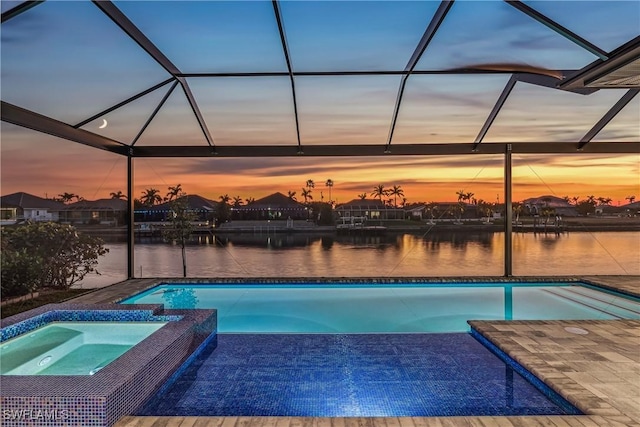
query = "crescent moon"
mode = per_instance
[{"x": 103, "y": 125}]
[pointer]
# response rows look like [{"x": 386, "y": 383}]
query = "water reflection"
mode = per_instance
[
  {"x": 179, "y": 298},
  {"x": 392, "y": 255},
  {"x": 548, "y": 240},
  {"x": 458, "y": 240},
  {"x": 282, "y": 241},
  {"x": 433, "y": 240}
]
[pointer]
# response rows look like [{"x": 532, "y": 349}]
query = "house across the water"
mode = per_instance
[
  {"x": 27, "y": 207},
  {"x": 371, "y": 209},
  {"x": 203, "y": 208},
  {"x": 275, "y": 206},
  {"x": 95, "y": 212}
]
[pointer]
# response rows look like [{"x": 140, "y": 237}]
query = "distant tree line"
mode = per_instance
[{"x": 392, "y": 197}]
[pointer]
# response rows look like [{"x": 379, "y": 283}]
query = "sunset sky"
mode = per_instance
[{"x": 67, "y": 60}]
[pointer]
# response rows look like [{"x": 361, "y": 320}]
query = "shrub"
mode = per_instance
[
  {"x": 20, "y": 272},
  {"x": 46, "y": 254}
]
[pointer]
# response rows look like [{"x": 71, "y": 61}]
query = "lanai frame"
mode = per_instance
[{"x": 585, "y": 81}]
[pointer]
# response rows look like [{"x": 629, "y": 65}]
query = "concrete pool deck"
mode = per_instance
[{"x": 598, "y": 372}]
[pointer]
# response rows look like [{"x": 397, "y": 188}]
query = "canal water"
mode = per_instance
[{"x": 392, "y": 255}]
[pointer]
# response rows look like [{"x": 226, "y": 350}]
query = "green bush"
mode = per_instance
[
  {"x": 46, "y": 254},
  {"x": 20, "y": 272}
]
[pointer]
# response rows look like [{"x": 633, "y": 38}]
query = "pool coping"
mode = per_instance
[
  {"x": 595, "y": 416},
  {"x": 599, "y": 372}
]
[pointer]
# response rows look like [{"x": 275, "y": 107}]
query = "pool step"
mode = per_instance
[
  {"x": 620, "y": 301},
  {"x": 23, "y": 356},
  {"x": 76, "y": 362},
  {"x": 618, "y": 307}
]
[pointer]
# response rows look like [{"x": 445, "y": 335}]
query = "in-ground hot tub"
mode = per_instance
[
  {"x": 91, "y": 364},
  {"x": 71, "y": 348}
]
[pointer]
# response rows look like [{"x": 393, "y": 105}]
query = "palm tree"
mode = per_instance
[
  {"x": 484, "y": 208},
  {"x": 591, "y": 200},
  {"x": 150, "y": 197},
  {"x": 546, "y": 213},
  {"x": 67, "y": 197},
  {"x": 222, "y": 210},
  {"x": 604, "y": 201},
  {"x": 396, "y": 191},
  {"x": 291, "y": 195},
  {"x": 307, "y": 195},
  {"x": 250, "y": 200},
  {"x": 118, "y": 195},
  {"x": 310, "y": 184},
  {"x": 575, "y": 199},
  {"x": 462, "y": 197},
  {"x": 237, "y": 202},
  {"x": 379, "y": 191},
  {"x": 468, "y": 197},
  {"x": 174, "y": 193},
  {"x": 631, "y": 199},
  {"x": 362, "y": 196},
  {"x": 329, "y": 184},
  {"x": 516, "y": 208}
]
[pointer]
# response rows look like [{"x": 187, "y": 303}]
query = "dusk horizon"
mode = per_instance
[
  {"x": 94, "y": 174},
  {"x": 331, "y": 110}
]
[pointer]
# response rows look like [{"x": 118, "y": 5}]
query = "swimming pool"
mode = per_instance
[
  {"x": 366, "y": 349},
  {"x": 387, "y": 308},
  {"x": 71, "y": 348}
]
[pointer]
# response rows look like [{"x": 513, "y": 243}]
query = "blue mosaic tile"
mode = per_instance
[
  {"x": 26, "y": 326},
  {"x": 124, "y": 315},
  {"x": 349, "y": 375}
]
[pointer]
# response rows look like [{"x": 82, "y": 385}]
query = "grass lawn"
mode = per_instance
[{"x": 44, "y": 298}]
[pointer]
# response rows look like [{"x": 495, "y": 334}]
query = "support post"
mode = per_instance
[
  {"x": 130, "y": 222},
  {"x": 508, "y": 302},
  {"x": 508, "y": 214}
]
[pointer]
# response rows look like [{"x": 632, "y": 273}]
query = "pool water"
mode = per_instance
[
  {"x": 71, "y": 348},
  {"x": 348, "y": 375},
  {"x": 378, "y": 308},
  {"x": 333, "y": 350}
]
